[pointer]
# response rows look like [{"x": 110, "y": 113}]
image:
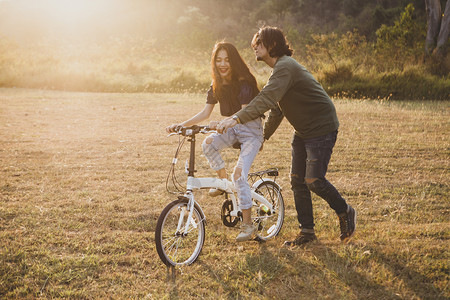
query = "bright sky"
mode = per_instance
[{"x": 26, "y": 19}]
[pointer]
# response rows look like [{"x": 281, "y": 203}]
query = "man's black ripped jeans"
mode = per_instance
[{"x": 310, "y": 158}]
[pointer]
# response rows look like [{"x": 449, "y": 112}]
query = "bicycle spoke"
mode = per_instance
[
  {"x": 169, "y": 249},
  {"x": 180, "y": 240},
  {"x": 174, "y": 257},
  {"x": 269, "y": 224},
  {"x": 170, "y": 240},
  {"x": 197, "y": 224}
]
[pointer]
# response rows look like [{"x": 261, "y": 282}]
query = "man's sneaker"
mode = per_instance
[
  {"x": 301, "y": 239},
  {"x": 215, "y": 192},
  {"x": 347, "y": 222},
  {"x": 246, "y": 233}
]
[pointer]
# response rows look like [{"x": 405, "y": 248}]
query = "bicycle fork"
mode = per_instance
[{"x": 190, "y": 220}]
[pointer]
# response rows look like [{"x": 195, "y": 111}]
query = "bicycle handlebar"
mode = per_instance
[{"x": 192, "y": 130}]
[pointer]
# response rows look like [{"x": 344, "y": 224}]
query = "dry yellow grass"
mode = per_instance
[{"x": 82, "y": 182}]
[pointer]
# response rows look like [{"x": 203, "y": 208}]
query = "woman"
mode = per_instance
[{"x": 233, "y": 87}]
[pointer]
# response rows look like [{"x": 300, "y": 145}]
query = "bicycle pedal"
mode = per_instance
[
  {"x": 259, "y": 240},
  {"x": 215, "y": 192}
]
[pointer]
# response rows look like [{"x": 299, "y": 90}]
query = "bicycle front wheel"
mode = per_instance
[
  {"x": 179, "y": 243},
  {"x": 268, "y": 223}
]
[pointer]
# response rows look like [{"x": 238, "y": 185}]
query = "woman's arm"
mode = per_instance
[{"x": 201, "y": 116}]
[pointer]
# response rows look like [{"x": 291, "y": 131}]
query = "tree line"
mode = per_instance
[
  {"x": 396, "y": 49},
  {"x": 404, "y": 31}
]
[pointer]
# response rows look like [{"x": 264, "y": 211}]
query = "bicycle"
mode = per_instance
[{"x": 180, "y": 230}]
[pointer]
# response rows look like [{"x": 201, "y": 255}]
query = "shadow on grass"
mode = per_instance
[
  {"x": 221, "y": 278},
  {"x": 318, "y": 273},
  {"x": 246, "y": 279},
  {"x": 355, "y": 283},
  {"x": 171, "y": 283},
  {"x": 421, "y": 285},
  {"x": 314, "y": 272}
]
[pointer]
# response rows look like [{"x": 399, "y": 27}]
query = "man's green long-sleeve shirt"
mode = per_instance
[{"x": 292, "y": 92}]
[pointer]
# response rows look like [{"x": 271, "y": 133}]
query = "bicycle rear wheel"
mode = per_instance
[
  {"x": 175, "y": 246},
  {"x": 268, "y": 224}
]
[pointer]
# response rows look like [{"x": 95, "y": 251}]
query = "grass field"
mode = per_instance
[{"x": 82, "y": 183}]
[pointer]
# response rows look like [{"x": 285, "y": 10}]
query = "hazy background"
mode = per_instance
[{"x": 155, "y": 45}]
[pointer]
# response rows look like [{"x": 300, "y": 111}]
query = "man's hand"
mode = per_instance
[
  {"x": 213, "y": 125},
  {"x": 225, "y": 124}
]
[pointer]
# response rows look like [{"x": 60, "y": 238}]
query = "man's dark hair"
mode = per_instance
[{"x": 273, "y": 40}]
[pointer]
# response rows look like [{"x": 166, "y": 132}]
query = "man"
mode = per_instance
[{"x": 292, "y": 92}]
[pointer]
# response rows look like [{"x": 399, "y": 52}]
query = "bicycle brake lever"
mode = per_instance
[{"x": 208, "y": 130}]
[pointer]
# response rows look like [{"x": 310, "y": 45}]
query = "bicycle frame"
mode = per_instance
[
  {"x": 180, "y": 230},
  {"x": 194, "y": 183}
]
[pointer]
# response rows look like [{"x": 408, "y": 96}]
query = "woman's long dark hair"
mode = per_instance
[{"x": 239, "y": 69}]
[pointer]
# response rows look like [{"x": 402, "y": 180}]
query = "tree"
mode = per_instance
[
  {"x": 401, "y": 42},
  {"x": 280, "y": 8},
  {"x": 438, "y": 27}
]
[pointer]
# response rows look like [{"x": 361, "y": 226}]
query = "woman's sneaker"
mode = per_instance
[
  {"x": 246, "y": 233},
  {"x": 301, "y": 239},
  {"x": 347, "y": 223}
]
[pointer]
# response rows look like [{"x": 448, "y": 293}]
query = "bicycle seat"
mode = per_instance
[{"x": 237, "y": 145}]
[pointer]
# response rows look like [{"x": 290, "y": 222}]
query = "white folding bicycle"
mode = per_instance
[{"x": 180, "y": 230}]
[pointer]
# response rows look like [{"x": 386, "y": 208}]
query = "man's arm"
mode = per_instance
[
  {"x": 270, "y": 95},
  {"x": 279, "y": 82},
  {"x": 273, "y": 121}
]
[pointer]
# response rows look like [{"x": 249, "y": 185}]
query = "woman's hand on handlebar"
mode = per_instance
[{"x": 172, "y": 128}]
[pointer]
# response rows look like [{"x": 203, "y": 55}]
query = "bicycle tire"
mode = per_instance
[
  {"x": 268, "y": 225},
  {"x": 173, "y": 247}
]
